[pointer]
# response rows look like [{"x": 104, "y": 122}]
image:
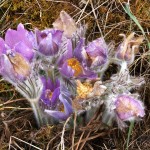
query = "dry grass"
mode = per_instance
[{"x": 18, "y": 128}]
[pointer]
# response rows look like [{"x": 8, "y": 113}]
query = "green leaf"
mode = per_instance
[
  {"x": 127, "y": 10},
  {"x": 129, "y": 133}
]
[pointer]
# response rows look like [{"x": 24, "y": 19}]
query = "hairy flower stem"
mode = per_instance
[
  {"x": 103, "y": 70},
  {"x": 108, "y": 118},
  {"x": 124, "y": 67},
  {"x": 37, "y": 112},
  {"x": 51, "y": 74}
]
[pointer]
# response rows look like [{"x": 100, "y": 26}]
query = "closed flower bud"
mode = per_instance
[
  {"x": 128, "y": 108},
  {"x": 66, "y": 24},
  {"x": 96, "y": 53},
  {"x": 48, "y": 41},
  {"x": 129, "y": 47}
]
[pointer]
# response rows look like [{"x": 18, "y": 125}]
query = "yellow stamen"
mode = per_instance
[
  {"x": 75, "y": 65},
  {"x": 84, "y": 89},
  {"x": 48, "y": 94}
]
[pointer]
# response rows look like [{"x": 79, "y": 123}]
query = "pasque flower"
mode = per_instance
[
  {"x": 57, "y": 73},
  {"x": 17, "y": 62},
  {"x": 16, "y": 53},
  {"x": 51, "y": 91},
  {"x": 72, "y": 64},
  {"x": 129, "y": 47},
  {"x": 96, "y": 53},
  {"x": 88, "y": 99},
  {"x": 122, "y": 107},
  {"x": 21, "y": 41},
  {"x": 65, "y": 23},
  {"x": 57, "y": 99},
  {"x": 17, "y": 65},
  {"x": 48, "y": 41},
  {"x": 128, "y": 108}
]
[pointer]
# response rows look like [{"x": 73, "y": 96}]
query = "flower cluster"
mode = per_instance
[{"x": 59, "y": 72}]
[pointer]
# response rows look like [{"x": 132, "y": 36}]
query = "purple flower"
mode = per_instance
[
  {"x": 128, "y": 108},
  {"x": 96, "y": 53},
  {"x": 57, "y": 98},
  {"x": 48, "y": 41},
  {"x": 20, "y": 41},
  {"x": 51, "y": 91},
  {"x": 129, "y": 47},
  {"x": 63, "y": 112},
  {"x": 14, "y": 66},
  {"x": 2, "y": 47},
  {"x": 16, "y": 53},
  {"x": 71, "y": 63},
  {"x": 121, "y": 108}
]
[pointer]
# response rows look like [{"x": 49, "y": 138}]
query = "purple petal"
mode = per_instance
[
  {"x": 57, "y": 114},
  {"x": 20, "y": 28},
  {"x": 50, "y": 101},
  {"x": 55, "y": 96},
  {"x": 46, "y": 101},
  {"x": 119, "y": 55},
  {"x": 129, "y": 108},
  {"x": 6, "y": 68},
  {"x": 50, "y": 86},
  {"x": 39, "y": 35},
  {"x": 65, "y": 99},
  {"x": 67, "y": 106},
  {"x": 98, "y": 48},
  {"x": 78, "y": 50},
  {"x": 31, "y": 40},
  {"x": 98, "y": 61},
  {"x": 27, "y": 37},
  {"x": 88, "y": 74},
  {"x": 12, "y": 37},
  {"x": 67, "y": 71},
  {"x": 65, "y": 93},
  {"x": 47, "y": 46},
  {"x": 14, "y": 66},
  {"x": 24, "y": 50},
  {"x": 61, "y": 115},
  {"x": 2, "y": 46},
  {"x": 57, "y": 36},
  {"x": 48, "y": 41},
  {"x": 67, "y": 54}
]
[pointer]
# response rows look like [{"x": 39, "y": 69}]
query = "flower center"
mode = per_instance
[
  {"x": 48, "y": 94},
  {"x": 43, "y": 35},
  {"x": 83, "y": 90},
  {"x": 75, "y": 65}
]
